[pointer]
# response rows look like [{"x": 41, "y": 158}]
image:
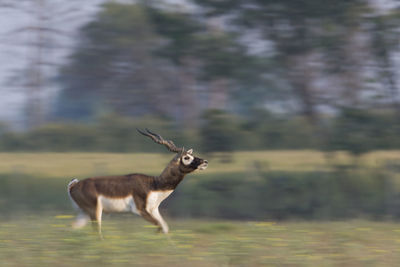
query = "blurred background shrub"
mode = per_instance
[
  {"x": 356, "y": 131},
  {"x": 273, "y": 195}
]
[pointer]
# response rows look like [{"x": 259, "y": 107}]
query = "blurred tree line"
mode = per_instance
[
  {"x": 353, "y": 130},
  {"x": 228, "y": 75}
]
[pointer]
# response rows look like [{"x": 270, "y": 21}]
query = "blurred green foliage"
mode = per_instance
[
  {"x": 343, "y": 193},
  {"x": 353, "y": 130},
  {"x": 255, "y": 195},
  {"x": 359, "y": 131},
  {"x": 218, "y": 132}
]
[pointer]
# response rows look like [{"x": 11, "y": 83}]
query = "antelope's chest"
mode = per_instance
[
  {"x": 126, "y": 204},
  {"x": 156, "y": 197}
]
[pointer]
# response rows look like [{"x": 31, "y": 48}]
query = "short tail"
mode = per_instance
[{"x": 70, "y": 185}]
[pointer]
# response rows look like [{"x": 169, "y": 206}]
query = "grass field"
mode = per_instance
[
  {"x": 66, "y": 165},
  {"x": 130, "y": 241},
  {"x": 29, "y": 239}
]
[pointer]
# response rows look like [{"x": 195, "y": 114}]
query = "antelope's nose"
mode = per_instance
[{"x": 205, "y": 161}]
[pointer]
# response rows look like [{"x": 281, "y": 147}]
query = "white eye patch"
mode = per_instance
[{"x": 187, "y": 159}]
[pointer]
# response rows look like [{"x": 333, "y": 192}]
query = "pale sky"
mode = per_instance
[{"x": 16, "y": 49}]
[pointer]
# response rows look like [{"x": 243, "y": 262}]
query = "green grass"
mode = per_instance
[{"x": 130, "y": 241}]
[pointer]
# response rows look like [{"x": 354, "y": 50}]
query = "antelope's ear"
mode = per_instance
[{"x": 190, "y": 151}]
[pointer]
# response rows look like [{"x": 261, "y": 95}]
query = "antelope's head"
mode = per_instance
[
  {"x": 185, "y": 158},
  {"x": 191, "y": 163}
]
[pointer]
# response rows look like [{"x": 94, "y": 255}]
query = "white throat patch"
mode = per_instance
[{"x": 155, "y": 198}]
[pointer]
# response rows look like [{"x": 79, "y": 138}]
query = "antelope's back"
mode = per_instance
[{"x": 112, "y": 186}]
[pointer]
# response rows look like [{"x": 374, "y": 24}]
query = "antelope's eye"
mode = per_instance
[{"x": 186, "y": 158}]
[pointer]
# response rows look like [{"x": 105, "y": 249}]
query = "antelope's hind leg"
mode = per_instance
[
  {"x": 80, "y": 221},
  {"x": 95, "y": 216}
]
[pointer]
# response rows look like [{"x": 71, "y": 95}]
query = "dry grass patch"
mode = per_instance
[{"x": 89, "y": 164}]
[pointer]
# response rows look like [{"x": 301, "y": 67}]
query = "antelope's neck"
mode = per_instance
[{"x": 170, "y": 177}]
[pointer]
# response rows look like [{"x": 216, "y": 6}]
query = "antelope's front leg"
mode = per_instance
[
  {"x": 147, "y": 216},
  {"x": 156, "y": 214}
]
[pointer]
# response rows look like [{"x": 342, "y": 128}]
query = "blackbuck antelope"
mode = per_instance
[{"x": 137, "y": 193}]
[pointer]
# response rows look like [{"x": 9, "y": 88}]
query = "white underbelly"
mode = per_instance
[{"x": 126, "y": 204}]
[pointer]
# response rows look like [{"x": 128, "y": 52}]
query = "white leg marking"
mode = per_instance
[
  {"x": 80, "y": 221},
  {"x": 156, "y": 214},
  {"x": 153, "y": 201},
  {"x": 99, "y": 212}
]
